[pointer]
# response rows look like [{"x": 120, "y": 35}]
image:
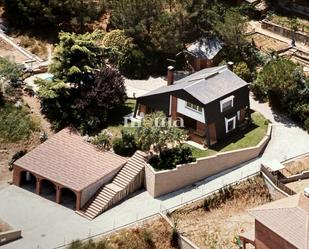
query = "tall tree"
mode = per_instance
[
  {"x": 76, "y": 56},
  {"x": 57, "y": 13}
]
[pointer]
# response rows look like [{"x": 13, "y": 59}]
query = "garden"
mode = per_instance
[
  {"x": 219, "y": 219},
  {"x": 153, "y": 234}
]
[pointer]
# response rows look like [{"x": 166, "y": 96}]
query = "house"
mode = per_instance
[
  {"x": 281, "y": 224},
  {"x": 204, "y": 53},
  {"x": 66, "y": 165},
  {"x": 212, "y": 102}
]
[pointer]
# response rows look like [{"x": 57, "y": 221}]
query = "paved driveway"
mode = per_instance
[{"x": 47, "y": 225}]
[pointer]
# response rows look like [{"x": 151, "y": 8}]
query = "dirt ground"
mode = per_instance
[
  {"x": 296, "y": 166},
  {"x": 220, "y": 227}
]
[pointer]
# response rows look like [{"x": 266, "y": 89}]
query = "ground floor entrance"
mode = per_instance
[{"x": 46, "y": 188}]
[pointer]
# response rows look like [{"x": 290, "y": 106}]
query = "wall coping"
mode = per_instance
[{"x": 261, "y": 144}]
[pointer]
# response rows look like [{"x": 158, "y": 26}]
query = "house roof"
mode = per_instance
[
  {"x": 206, "y": 47},
  {"x": 205, "y": 85},
  {"x": 288, "y": 217},
  {"x": 70, "y": 161}
]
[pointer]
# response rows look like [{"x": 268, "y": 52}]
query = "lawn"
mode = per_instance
[
  {"x": 15, "y": 123},
  {"x": 153, "y": 234},
  {"x": 218, "y": 220},
  {"x": 115, "y": 122},
  {"x": 251, "y": 137}
]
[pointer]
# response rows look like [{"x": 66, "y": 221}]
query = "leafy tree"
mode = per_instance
[
  {"x": 278, "y": 78},
  {"x": 283, "y": 83},
  {"x": 76, "y": 56},
  {"x": 243, "y": 71},
  {"x": 125, "y": 54},
  {"x": 157, "y": 133},
  {"x": 106, "y": 92},
  {"x": 232, "y": 29},
  {"x": 10, "y": 70}
]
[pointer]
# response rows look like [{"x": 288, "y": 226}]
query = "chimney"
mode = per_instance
[
  {"x": 230, "y": 65},
  {"x": 170, "y": 75}
]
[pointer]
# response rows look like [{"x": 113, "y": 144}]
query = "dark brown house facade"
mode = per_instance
[{"x": 212, "y": 103}]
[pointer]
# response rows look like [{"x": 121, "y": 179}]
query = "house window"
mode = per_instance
[
  {"x": 227, "y": 103},
  {"x": 230, "y": 124},
  {"x": 194, "y": 107}
]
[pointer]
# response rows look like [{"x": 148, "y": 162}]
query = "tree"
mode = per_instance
[
  {"x": 57, "y": 13},
  {"x": 76, "y": 56},
  {"x": 156, "y": 132},
  {"x": 232, "y": 29},
  {"x": 243, "y": 71},
  {"x": 283, "y": 83},
  {"x": 124, "y": 54},
  {"x": 10, "y": 70},
  {"x": 278, "y": 78}
]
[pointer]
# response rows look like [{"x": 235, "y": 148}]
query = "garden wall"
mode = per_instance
[
  {"x": 162, "y": 182},
  {"x": 286, "y": 32}
]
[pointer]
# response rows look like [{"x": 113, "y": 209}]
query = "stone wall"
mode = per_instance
[
  {"x": 162, "y": 182},
  {"x": 286, "y": 32}
]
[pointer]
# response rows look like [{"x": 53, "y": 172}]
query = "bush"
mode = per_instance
[
  {"x": 15, "y": 157},
  {"x": 102, "y": 140},
  {"x": 170, "y": 158},
  {"x": 15, "y": 123},
  {"x": 126, "y": 145}
]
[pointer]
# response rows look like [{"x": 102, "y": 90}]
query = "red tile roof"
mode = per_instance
[
  {"x": 68, "y": 160},
  {"x": 288, "y": 217}
]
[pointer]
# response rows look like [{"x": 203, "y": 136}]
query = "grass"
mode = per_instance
[
  {"x": 15, "y": 123},
  {"x": 115, "y": 122},
  {"x": 251, "y": 137}
]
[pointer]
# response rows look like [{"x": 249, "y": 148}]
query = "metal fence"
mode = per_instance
[{"x": 163, "y": 210}]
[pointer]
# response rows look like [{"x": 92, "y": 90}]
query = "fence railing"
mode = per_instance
[{"x": 276, "y": 182}]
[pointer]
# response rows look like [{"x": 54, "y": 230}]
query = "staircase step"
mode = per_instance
[{"x": 106, "y": 195}]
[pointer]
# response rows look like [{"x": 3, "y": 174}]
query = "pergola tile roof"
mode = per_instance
[
  {"x": 70, "y": 161},
  {"x": 288, "y": 217}
]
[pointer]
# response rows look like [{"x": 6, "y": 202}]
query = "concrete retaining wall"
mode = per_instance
[
  {"x": 286, "y": 32},
  {"x": 9, "y": 236},
  {"x": 166, "y": 181}
]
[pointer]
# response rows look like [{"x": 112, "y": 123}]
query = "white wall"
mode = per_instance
[{"x": 181, "y": 108}]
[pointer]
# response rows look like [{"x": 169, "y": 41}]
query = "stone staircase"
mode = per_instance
[{"x": 128, "y": 180}]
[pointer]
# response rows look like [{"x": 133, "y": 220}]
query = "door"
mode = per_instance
[{"x": 212, "y": 133}]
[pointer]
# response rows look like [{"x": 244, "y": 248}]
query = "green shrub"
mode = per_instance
[
  {"x": 170, "y": 158},
  {"x": 15, "y": 123},
  {"x": 102, "y": 140},
  {"x": 175, "y": 236},
  {"x": 147, "y": 237},
  {"x": 15, "y": 157},
  {"x": 126, "y": 145}
]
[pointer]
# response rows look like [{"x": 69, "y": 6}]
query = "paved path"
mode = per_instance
[{"x": 47, "y": 225}]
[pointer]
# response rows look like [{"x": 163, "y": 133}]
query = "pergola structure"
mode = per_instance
[{"x": 68, "y": 163}]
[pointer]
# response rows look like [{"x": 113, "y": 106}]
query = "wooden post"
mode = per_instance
[
  {"x": 58, "y": 194},
  {"x": 38, "y": 186}
]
